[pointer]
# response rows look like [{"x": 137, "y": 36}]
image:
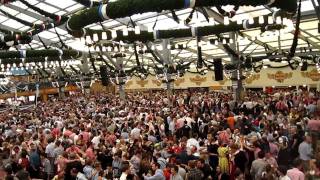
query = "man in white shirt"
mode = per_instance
[
  {"x": 158, "y": 175},
  {"x": 305, "y": 149},
  {"x": 96, "y": 141},
  {"x": 135, "y": 132},
  {"x": 125, "y": 172},
  {"x": 50, "y": 148}
]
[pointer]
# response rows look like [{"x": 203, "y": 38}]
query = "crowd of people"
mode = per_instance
[{"x": 188, "y": 135}]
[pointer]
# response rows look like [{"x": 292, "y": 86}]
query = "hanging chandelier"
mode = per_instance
[{"x": 120, "y": 78}]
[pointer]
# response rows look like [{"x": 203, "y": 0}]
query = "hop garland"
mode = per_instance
[
  {"x": 13, "y": 38},
  {"x": 39, "y": 53},
  {"x": 145, "y": 36},
  {"x": 125, "y": 8}
]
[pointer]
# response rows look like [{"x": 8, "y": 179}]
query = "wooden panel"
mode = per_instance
[{"x": 43, "y": 92}]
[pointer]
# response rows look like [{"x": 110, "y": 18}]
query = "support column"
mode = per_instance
[
  {"x": 85, "y": 86},
  {"x": 122, "y": 93},
  {"x": 44, "y": 97},
  {"x": 169, "y": 88},
  {"x": 166, "y": 54},
  {"x": 237, "y": 85},
  {"x": 169, "y": 84},
  {"x": 121, "y": 78},
  {"x": 37, "y": 93},
  {"x": 61, "y": 92},
  {"x": 85, "y": 64}
]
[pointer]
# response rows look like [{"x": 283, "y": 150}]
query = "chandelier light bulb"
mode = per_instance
[
  {"x": 261, "y": 20},
  {"x": 95, "y": 37},
  {"x": 285, "y": 21},
  {"x": 251, "y": 21},
  {"x": 270, "y": 20},
  {"x": 109, "y": 49},
  {"x": 137, "y": 30},
  {"x": 224, "y": 41},
  {"x": 130, "y": 49},
  {"x": 104, "y": 49},
  {"x": 113, "y": 34},
  {"x": 125, "y": 32},
  {"x": 88, "y": 39},
  {"x": 104, "y": 35},
  {"x": 278, "y": 20}
]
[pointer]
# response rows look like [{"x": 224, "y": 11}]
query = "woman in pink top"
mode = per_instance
[
  {"x": 90, "y": 153},
  {"x": 86, "y": 136},
  {"x": 62, "y": 161}
]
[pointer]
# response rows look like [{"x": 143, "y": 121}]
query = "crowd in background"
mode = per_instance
[{"x": 190, "y": 135}]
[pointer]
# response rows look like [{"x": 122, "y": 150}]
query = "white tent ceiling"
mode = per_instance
[{"x": 309, "y": 28}]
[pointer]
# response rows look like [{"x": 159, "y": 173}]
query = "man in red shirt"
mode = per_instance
[{"x": 56, "y": 131}]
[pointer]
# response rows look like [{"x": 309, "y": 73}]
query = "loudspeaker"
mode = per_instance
[
  {"x": 304, "y": 66},
  {"x": 104, "y": 75},
  {"x": 218, "y": 69},
  {"x": 200, "y": 60}
]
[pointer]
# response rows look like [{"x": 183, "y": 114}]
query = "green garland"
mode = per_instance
[
  {"x": 88, "y": 3},
  {"x": 145, "y": 36},
  {"x": 40, "y": 53},
  {"x": 125, "y": 8},
  {"x": 17, "y": 61},
  {"x": 26, "y": 37}
]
